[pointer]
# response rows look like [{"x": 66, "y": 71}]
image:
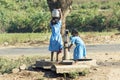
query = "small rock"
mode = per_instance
[
  {"x": 96, "y": 69},
  {"x": 105, "y": 60},
  {"x": 6, "y": 43},
  {"x": 23, "y": 67},
  {"x": 15, "y": 70},
  {"x": 5, "y": 74},
  {"x": 106, "y": 53},
  {"x": 113, "y": 63},
  {"x": 1, "y": 74},
  {"x": 110, "y": 58}
]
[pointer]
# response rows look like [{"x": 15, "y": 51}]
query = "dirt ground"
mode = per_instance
[
  {"x": 108, "y": 66},
  {"x": 108, "y": 69}
]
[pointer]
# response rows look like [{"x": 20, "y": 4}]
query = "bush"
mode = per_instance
[
  {"x": 73, "y": 75},
  {"x": 24, "y": 16},
  {"x": 7, "y": 64},
  {"x": 92, "y": 16},
  {"x": 36, "y": 23},
  {"x": 34, "y": 15}
]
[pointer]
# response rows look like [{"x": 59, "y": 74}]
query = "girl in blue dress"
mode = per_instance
[
  {"x": 56, "y": 43},
  {"x": 80, "y": 49}
]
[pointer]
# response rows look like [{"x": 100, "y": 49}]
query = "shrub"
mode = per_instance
[
  {"x": 73, "y": 75},
  {"x": 34, "y": 15},
  {"x": 7, "y": 64}
]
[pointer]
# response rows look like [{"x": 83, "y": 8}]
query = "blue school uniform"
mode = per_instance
[
  {"x": 80, "y": 49},
  {"x": 56, "y": 39}
]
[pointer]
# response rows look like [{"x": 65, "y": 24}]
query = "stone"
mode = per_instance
[
  {"x": 23, "y": 67},
  {"x": 6, "y": 43},
  {"x": 15, "y": 70}
]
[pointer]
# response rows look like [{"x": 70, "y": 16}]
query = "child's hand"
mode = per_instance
[
  {"x": 60, "y": 51},
  {"x": 59, "y": 9},
  {"x": 69, "y": 49}
]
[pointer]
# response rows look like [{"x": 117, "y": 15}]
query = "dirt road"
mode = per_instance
[{"x": 44, "y": 49}]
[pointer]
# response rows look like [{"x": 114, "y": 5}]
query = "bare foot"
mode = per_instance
[
  {"x": 75, "y": 62},
  {"x": 57, "y": 62}
]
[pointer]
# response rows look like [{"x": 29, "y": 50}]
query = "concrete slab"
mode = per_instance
[
  {"x": 66, "y": 66},
  {"x": 45, "y": 64},
  {"x": 79, "y": 66},
  {"x": 69, "y": 68},
  {"x": 66, "y": 62},
  {"x": 90, "y": 63}
]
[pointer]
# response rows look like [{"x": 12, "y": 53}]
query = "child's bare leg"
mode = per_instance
[
  {"x": 57, "y": 56},
  {"x": 75, "y": 61},
  {"x": 52, "y": 54}
]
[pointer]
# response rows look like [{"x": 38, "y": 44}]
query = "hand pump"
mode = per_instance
[{"x": 66, "y": 44}]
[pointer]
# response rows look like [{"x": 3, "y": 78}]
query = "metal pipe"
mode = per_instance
[{"x": 66, "y": 55}]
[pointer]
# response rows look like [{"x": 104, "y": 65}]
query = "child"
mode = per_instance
[
  {"x": 56, "y": 43},
  {"x": 80, "y": 49}
]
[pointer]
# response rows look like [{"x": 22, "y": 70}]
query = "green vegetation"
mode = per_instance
[
  {"x": 37, "y": 38},
  {"x": 95, "y": 15},
  {"x": 13, "y": 38},
  {"x": 75, "y": 75},
  {"x": 7, "y": 63},
  {"x": 34, "y": 16},
  {"x": 24, "y": 16}
]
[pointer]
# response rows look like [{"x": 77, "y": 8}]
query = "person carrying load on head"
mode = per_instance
[{"x": 56, "y": 43}]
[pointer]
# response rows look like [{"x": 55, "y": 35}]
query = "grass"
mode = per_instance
[
  {"x": 8, "y": 63},
  {"x": 14, "y": 38},
  {"x": 98, "y": 33},
  {"x": 85, "y": 1}
]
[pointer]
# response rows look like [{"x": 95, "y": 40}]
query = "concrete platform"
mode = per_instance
[
  {"x": 66, "y": 66},
  {"x": 44, "y": 64},
  {"x": 71, "y": 66}
]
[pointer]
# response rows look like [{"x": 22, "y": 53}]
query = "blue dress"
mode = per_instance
[
  {"x": 56, "y": 43},
  {"x": 80, "y": 49}
]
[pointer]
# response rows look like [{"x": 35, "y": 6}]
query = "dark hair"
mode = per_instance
[
  {"x": 74, "y": 32},
  {"x": 55, "y": 20}
]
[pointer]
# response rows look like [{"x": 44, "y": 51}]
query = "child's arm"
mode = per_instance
[
  {"x": 70, "y": 47},
  {"x": 60, "y": 13}
]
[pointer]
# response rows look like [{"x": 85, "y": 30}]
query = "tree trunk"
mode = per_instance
[{"x": 65, "y": 7}]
